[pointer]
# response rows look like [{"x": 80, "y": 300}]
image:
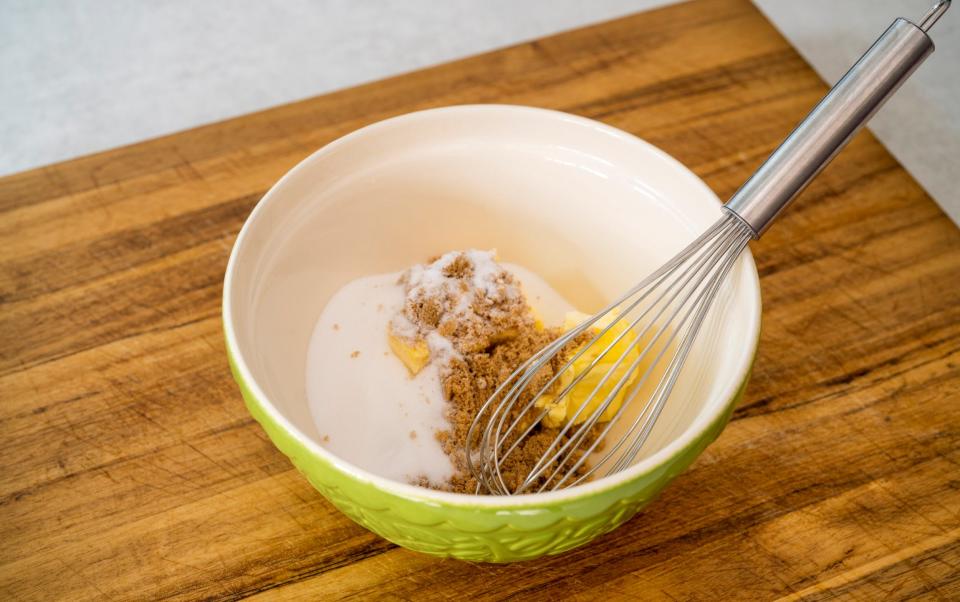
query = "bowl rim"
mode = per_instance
[{"x": 592, "y": 488}]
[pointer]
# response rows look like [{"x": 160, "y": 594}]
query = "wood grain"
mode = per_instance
[{"x": 130, "y": 469}]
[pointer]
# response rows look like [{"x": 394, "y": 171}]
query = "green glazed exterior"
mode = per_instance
[{"x": 476, "y": 532}]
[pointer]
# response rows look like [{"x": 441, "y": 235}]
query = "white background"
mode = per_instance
[{"x": 83, "y": 76}]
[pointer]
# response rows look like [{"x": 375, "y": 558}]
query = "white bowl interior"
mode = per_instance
[{"x": 587, "y": 207}]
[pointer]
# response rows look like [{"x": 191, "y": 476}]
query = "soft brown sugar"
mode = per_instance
[
  {"x": 472, "y": 379},
  {"x": 492, "y": 330},
  {"x": 472, "y": 313},
  {"x": 461, "y": 267}
]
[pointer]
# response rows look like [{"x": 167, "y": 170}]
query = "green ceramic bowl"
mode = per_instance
[{"x": 588, "y": 207}]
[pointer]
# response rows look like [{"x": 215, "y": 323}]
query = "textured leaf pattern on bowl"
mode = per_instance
[{"x": 475, "y": 532}]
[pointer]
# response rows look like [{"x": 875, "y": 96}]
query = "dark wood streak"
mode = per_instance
[
  {"x": 842, "y": 384},
  {"x": 106, "y": 309},
  {"x": 84, "y": 261},
  {"x": 36, "y": 488},
  {"x": 375, "y": 548},
  {"x": 104, "y": 341},
  {"x": 776, "y": 64},
  {"x": 129, "y": 467}
]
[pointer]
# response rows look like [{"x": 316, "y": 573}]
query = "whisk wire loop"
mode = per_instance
[
  {"x": 661, "y": 315},
  {"x": 664, "y": 348},
  {"x": 675, "y": 288}
]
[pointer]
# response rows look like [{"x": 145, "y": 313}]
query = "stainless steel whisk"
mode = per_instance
[{"x": 665, "y": 312}]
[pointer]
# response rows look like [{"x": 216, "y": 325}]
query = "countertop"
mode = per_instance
[{"x": 129, "y": 467}]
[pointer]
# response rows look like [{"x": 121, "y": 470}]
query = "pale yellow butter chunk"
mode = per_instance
[
  {"x": 563, "y": 410},
  {"x": 537, "y": 319},
  {"x": 414, "y": 355}
]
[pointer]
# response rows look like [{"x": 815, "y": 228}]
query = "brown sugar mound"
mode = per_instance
[
  {"x": 478, "y": 307},
  {"x": 472, "y": 379},
  {"x": 466, "y": 298}
]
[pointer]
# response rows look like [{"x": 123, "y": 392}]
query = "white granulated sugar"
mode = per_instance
[
  {"x": 490, "y": 284},
  {"x": 402, "y": 327},
  {"x": 488, "y": 275},
  {"x": 441, "y": 349},
  {"x": 464, "y": 303}
]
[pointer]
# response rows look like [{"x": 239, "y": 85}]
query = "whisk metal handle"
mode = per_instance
[{"x": 834, "y": 121}]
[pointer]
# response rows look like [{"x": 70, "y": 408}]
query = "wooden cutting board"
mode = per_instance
[{"x": 129, "y": 467}]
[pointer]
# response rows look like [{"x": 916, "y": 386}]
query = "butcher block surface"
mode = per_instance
[{"x": 129, "y": 468}]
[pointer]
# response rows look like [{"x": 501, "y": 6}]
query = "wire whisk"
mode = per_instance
[
  {"x": 662, "y": 315},
  {"x": 633, "y": 351}
]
